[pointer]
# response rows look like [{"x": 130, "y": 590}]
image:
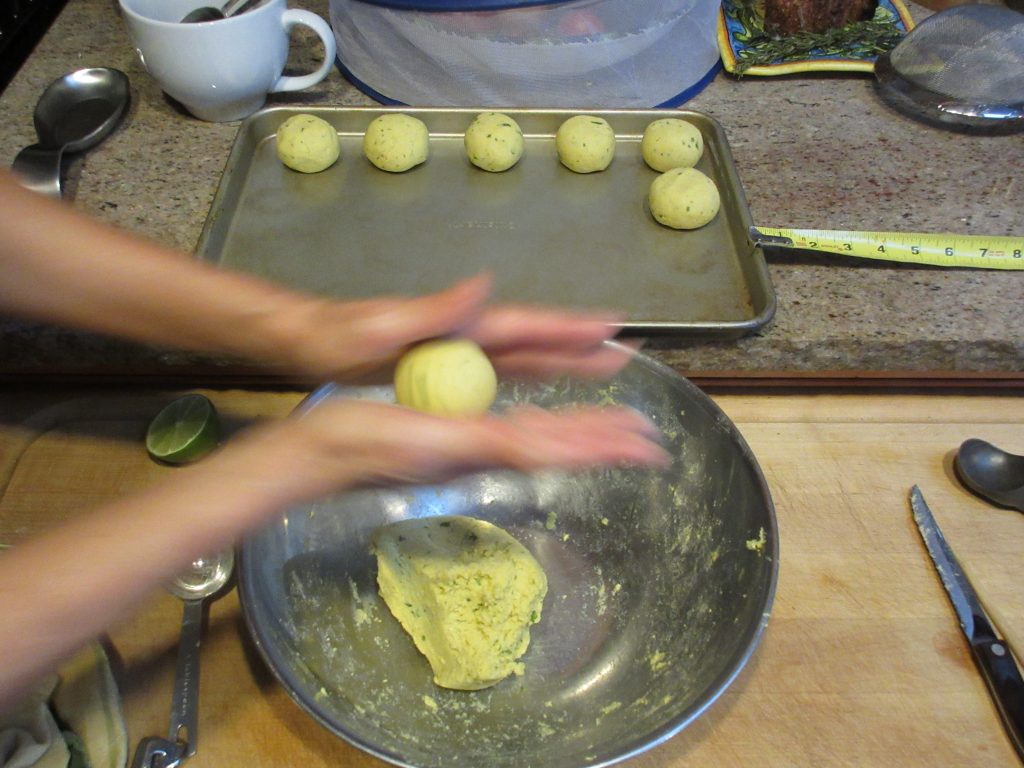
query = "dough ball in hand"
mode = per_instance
[
  {"x": 672, "y": 143},
  {"x": 683, "y": 198},
  {"x": 585, "y": 143},
  {"x": 396, "y": 142},
  {"x": 446, "y": 377},
  {"x": 307, "y": 143},
  {"x": 494, "y": 142}
]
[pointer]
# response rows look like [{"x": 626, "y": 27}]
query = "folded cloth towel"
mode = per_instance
[
  {"x": 87, "y": 701},
  {"x": 84, "y": 698},
  {"x": 30, "y": 736}
]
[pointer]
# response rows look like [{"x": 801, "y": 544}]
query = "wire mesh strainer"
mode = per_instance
[{"x": 963, "y": 66}]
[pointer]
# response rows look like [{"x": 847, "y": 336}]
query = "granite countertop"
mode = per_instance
[{"x": 812, "y": 151}]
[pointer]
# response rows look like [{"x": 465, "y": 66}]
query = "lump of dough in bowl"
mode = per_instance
[
  {"x": 683, "y": 198},
  {"x": 494, "y": 142},
  {"x": 446, "y": 377},
  {"x": 307, "y": 143},
  {"x": 396, "y": 142},
  {"x": 585, "y": 143},
  {"x": 466, "y": 592},
  {"x": 672, "y": 143}
]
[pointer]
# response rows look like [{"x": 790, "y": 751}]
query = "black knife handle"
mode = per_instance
[{"x": 1004, "y": 681}]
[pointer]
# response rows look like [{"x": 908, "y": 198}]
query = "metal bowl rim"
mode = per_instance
[{"x": 710, "y": 695}]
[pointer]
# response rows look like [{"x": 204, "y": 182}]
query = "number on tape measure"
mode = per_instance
[{"x": 943, "y": 250}]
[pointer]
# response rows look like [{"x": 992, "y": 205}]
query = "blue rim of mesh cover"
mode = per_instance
[
  {"x": 675, "y": 101},
  {"x": 461, "y": 5}
]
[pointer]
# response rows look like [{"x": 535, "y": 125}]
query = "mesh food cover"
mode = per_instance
[
  {"x": 974, "y": 53},
  {"x": 583, "y": 53}
]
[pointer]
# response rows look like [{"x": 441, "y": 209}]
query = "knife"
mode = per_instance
[{"x": 991, "y": 653}]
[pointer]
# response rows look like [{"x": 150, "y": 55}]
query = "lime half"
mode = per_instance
[{"x": 185, "y": 430}]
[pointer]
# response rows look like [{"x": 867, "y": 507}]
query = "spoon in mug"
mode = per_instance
[
  {"x": 992, "y": 473},
  {"x": 203, "y": 580},
  {"x": 209, "y": 13},
  {"x": 75, "y": 113}
]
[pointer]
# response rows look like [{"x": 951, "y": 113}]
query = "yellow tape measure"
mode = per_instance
[{"x": 977, "y": 251}]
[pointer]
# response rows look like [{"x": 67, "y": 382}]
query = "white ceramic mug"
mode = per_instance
[{"x": 221, "y": 70}]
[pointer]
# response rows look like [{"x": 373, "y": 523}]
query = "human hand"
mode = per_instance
[
  {"x": 361, "y": 340},
  {"x": 73, "y": 576},
  {"x": 342, "y": 444},
  {"x": 73, "y": 270}
]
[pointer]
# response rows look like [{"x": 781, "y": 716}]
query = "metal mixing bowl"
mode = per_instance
[{"x": 660, "y": 584}]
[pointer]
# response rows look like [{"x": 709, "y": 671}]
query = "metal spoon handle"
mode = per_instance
[
  {"x": 154, "y": 752},
  {"x": 230, "y": 8},
  {"x": 185, "y": 704},
  {"x": 39, "y": 169},
  {"x": 246, "y": 5}
]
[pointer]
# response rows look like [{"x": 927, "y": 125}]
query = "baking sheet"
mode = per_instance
[{"x": 548, "y": 235}]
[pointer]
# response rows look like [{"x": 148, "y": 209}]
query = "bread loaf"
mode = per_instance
[{"x": 788, "y": 17}]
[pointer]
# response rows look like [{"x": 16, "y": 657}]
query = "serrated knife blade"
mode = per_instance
[{"x": 991, "y": 654}]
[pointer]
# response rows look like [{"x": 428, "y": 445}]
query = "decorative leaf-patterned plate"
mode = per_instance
[{"x": 747, "y": 50}]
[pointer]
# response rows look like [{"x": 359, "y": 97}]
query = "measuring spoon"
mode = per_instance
[
  {"x": 203, "y": 580},
  {"x": 992, "y": 473},
  {"x": 75, "y": 113}
]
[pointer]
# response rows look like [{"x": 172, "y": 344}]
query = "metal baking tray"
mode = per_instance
[{"x": 548, "y": 235}]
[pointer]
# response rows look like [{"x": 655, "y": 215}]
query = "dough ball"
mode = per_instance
[
  {"x": 585, "y": 143},
  {"x": 494, "y": 142},
  {"x": 307, "y": 143},
  {"x": 396, "y": 142},
  {"x": 466, "y": 592},
  {"x": 672, "y": 143},
  {"x": 683, "y": 198},
  {"x": 446, "y": 377}
]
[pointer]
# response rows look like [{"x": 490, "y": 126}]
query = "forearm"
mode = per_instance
[
  {"x": 67, "y": 586},
  {"x": 63, "y": 267}
]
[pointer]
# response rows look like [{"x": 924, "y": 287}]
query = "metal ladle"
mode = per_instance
[
  {"x": 992, "y": 473},
  {"x": 75, "y": 113},
  {"x": 209, "y": 13},
  {"x": 203, "y": 580}
]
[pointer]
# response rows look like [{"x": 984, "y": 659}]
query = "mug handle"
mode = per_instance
[{"x": 289, "y": 19}]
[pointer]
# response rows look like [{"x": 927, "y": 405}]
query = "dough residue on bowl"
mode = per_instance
[{"x": 467, "y": 593}]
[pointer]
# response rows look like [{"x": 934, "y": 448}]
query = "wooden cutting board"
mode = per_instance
[{"x": 862, "y": 663}]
